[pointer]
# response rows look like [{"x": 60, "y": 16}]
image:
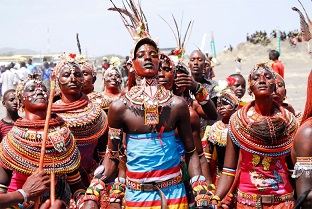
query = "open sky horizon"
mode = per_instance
[{"x": 25, "y": 24}]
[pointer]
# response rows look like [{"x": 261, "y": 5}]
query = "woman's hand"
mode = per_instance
[{"x": 36, "y": 185}]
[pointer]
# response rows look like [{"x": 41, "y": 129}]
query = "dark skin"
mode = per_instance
[
  {"x": 176, "y": 116},
  {"x": 10, "y": 103},
  {"x": 239, "y": 87},
  {"x": 197, "y": 65},
  {"x": 166, "y": 78},
  {"x": 262, "y": 85},
  {"x": 88, "y": 80},
  {"x": 34, "y": 187},
  {"x": 71, "y": 82},
  {"x": 302, "y": 148}
]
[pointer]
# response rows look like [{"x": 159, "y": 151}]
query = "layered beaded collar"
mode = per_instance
[{"x": 148, "y": 96}]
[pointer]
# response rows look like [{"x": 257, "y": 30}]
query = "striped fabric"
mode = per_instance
[
  {"x": 153, "y": 158},
  {"x": 5, "y": 127}
]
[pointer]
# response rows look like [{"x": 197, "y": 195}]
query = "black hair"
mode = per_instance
[{"x": 7, "y": 92}]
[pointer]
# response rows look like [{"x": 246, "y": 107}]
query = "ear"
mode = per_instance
[{"x": 3, "y": 102}]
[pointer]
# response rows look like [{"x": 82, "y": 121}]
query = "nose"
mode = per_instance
[{"x": 147, "y": 56}]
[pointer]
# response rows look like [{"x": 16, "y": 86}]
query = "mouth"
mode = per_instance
[
  {"x": 148, "y": 65},
  {"x": 262, "y": 87}
]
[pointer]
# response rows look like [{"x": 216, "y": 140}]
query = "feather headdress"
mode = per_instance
[
  {"x": 306, "y": 28},
  {"x": 181, "y": 40},
  {"x": 135, "y": 21}
]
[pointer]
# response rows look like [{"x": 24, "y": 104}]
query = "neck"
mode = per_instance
[
  {"x": 40, "y": 115},
  {"x": 112, "y": 90},
  {"x": 197, "y": 77},
  {"x": 264, "y": 106},
  {"x": 11, "y": 116},
  {"x": 144, "y": 81},
  {"x": 225, "y": 120},
  {"x": 68, "y": 98},
  {"x": 88, "y": 91}
]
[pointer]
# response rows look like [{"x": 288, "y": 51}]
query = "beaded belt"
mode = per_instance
[
  {"x": 253, "y": 199},
  {"x": 153, "y": 186}
]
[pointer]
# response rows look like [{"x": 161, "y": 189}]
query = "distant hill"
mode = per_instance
[
  {"x": 254, "y": 53},
  {"x": 12, "y": 51}
]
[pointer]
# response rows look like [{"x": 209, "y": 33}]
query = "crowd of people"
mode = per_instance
[
  {"x": 261, "y": 37},
  {"x": 163, "y": 135}
]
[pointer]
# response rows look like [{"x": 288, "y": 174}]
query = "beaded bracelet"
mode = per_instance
[
  {"x": 22, "y": 192},
  {"x": 96, "y": 187},
  {"x": 3, "y": 189},
  {"x": 115, "y": 133},
  {"x": 117, "y": 191},
  {"x": 228, "y": 171},
  {"x": 216, "y": 200},
  {"x": 202, "y": 95},
  {"x": 189, "y": 152},
  {"x": 208, "y": 156}
]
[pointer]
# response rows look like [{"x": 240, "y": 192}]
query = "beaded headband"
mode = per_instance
[
  {"x": 21, "y": 87},
  {"x": 262, "y": 65},
  {"x": 111, "y": 69},
  {"x": 225, "y": 92},
  {"x": 68, "y": 60},
  {"x": 165, "y": 58}
]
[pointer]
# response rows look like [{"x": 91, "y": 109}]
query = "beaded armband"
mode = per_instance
[
  {"x": 208, "y": 156},
  {"x": 73, "y": 179},
  {"x": 216, "y": 200},
  {"x": 202, "y": 95},
  {"x": 303, "y": 164},
  {"x": 200, "y": 191},
  {"x": 94, "y": 191},
  {"x": 190, "y": 152},
  {"x": 115, "y": 133},
  {"x": 78, "y": 197},
  {"x": 228, "y": 200},
  {"x": 228, "y": 171},
  {"x": 3, "y": 189},
  {"x": 117, "y": 192}
]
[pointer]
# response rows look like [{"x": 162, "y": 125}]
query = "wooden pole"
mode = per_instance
[{"x": 43, "y": 144}]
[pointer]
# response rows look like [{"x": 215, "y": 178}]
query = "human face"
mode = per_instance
[
  {"x": 280, "y": 92},
  {"x": 165, "y": 75},
  {"x": 239, "y": 87},
  {"x": 146, "y": 62},
  {"x": 35, "y": 96},
  {"x": 10, "y": 102},
  {"x": 112, "y": 79},
  {"x": 225, "y": 107},
  {"x": 262, "y": 82},
  {"x": 197, "y": 63},
  {"x": 88, "y": 79},
  {"x": 70, "y": 80}
]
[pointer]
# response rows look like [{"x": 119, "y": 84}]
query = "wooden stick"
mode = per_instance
[{"x": 43, "y": 144}]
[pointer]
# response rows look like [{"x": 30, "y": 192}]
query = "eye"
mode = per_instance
[{"x": 140, "y": 55}]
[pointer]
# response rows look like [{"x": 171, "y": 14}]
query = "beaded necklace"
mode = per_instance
[
  {"x": 239, "y": 131},
  {"x": 108, "y": 99},
  {"x": 97, "y": 98},
  {"x": 217, "y": 133},
  {"x": 20, "y": 149},
  {"x": 86, "y": 120},
  {"x": 150, "y": 97}
]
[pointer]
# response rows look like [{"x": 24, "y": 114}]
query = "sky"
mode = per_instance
[{"x": 25, "y": 23}]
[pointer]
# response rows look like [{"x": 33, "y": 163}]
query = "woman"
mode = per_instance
[
  {"x": 10, "y": 103},
  {"x": 89, "y": 76},
  {"x": 302, "y": 154},
  {"x": 215, "y": 137},
  {"x": 112, "y": 83},
  {"x": 20, "y": 149},
  {"x": 263, "y": 132},
  {"x": 280, "y": 94},
  {"x": 86, "y": 120}
]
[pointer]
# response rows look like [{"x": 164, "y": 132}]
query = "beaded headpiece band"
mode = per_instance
[
  {"x": 260, "y": 66},
  {"x": 225, "y": 93},
  {"x": 110, "y": 70}
]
